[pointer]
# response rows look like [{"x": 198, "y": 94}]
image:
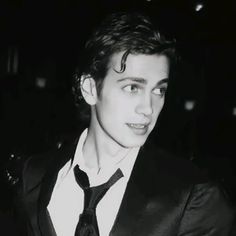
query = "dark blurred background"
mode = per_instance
[{"x": 41, "y": 43}]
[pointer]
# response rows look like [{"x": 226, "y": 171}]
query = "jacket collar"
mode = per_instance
[
  {"x": 135, "y": 198},
  {"x": 48, "y": 182}
]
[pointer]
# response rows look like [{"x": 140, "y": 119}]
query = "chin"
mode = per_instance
[{"x": 133, "y": 143}]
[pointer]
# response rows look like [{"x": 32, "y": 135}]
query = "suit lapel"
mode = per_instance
[
  {"x": 49, "y": 180},
  {"x": 134, "y": 200},
  {"x": 153, "y": 197}
]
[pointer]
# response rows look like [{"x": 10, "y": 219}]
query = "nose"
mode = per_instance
[{"x": 145, "y": 106}]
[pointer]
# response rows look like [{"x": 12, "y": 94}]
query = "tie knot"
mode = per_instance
[
  {"x": 92, "y": 195},
  {"x": 83, "y": 180}
]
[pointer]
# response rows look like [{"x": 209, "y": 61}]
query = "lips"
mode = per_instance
[{"x": 138, "y": 128}]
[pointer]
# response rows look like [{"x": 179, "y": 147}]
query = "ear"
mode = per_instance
[{"x": 88, "y": 89}]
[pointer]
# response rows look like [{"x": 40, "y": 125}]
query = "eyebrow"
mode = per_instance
[{"x": 142, "y": 80}]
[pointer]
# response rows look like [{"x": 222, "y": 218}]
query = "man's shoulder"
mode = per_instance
[
  {"x": 36, "y": 166},
  {"x": 172, "y": 168},
  {"x": 172, "y": 178},
  {"x": 182, "y": 168}
]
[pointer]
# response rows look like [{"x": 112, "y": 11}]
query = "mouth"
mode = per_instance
[
  {"x": 138, "y": 129},
  {"x": 137, "y": 126}
]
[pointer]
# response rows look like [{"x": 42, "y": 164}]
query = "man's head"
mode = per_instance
[
  {"x": 124, "y": 77},
  {"x": 121, "y": 32}
]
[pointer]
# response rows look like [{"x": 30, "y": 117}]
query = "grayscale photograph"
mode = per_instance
[{"x": 118, "y": 118}]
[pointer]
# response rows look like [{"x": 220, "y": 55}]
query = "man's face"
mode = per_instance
[{"x": 129, "y": 104}]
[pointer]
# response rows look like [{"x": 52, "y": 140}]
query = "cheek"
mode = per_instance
[
  {"x": 112, "y": 110},
  {"x": 157, "y": 108},
  {"x": 117, "y": 103}
]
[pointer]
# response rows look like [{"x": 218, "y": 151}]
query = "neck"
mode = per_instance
[{"x": 100, "y": 150}]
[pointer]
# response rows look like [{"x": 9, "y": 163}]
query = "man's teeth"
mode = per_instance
[{"x": 138, "y": 126}]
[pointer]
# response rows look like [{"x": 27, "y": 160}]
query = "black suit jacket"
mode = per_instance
[{"x": 165, "y": 196}]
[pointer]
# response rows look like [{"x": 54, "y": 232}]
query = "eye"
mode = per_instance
[
  {"x": 131, "y": 88},
  {"x": 159, "y": 91}
]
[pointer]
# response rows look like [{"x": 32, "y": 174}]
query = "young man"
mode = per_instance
[{"x": 123, "y": 80}]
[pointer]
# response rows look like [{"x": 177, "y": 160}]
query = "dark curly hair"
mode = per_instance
[{"x": 131, "y": 33}]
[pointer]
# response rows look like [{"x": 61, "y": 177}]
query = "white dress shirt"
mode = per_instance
[{"x": 67, "y": 200}]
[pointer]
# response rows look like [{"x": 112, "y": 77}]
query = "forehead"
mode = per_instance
[{"x": 149, "y": 67}]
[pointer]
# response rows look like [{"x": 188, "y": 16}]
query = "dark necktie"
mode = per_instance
[{"x": 87, "y": 225}]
